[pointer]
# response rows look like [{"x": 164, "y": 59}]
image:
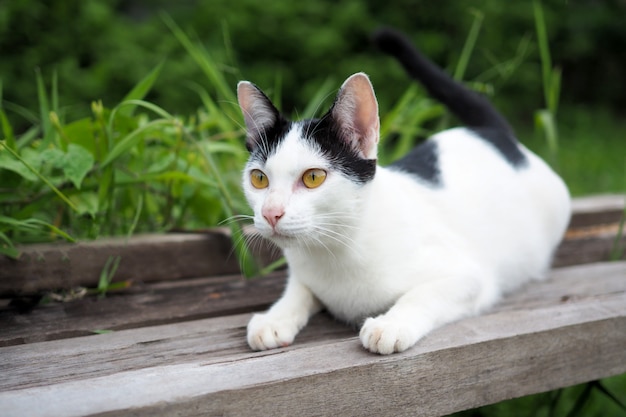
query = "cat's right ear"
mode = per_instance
[
  {"x": 258, "y": 112},
  {"x": 356, "y": 112}
]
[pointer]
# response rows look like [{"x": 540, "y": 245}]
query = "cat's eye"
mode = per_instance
[
  {"x": 313, "y": 178},
  {"x": 258, "y": 179}
]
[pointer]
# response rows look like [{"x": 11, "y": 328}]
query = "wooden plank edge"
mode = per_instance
[
  {"x": 473, "y": 362},
  {"x": 144, "y": 258},
  {"x": 148, "y": 305},
  {"x": 589, "y": 248},
  {"x": 597, "y": 209}
]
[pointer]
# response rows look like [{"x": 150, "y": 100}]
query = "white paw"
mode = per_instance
[
  {"x": 267, "y": 332},
  {"x": 384, "y": 335}
]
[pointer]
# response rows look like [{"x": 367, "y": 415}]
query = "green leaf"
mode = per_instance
[
  {"x": 75, "y": 163},
  {"x": 86, "y": 203},
  {"x": 7, "y": 129},
  {"x": 9, "y": 163},
  {"x": 53, "y": 157},
  {"x": 81, "y": 132},
  {"x": 78, "y": 161},
  {"x": 34, "y": 170}
]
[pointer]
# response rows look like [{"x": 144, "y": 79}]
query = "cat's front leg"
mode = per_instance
[
  {"x": 279, "y": 326},
  {"x": 423, "y": 309}
]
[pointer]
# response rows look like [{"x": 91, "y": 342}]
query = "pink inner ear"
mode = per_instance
[
  {"x": 258, "y": 111},
  {"x": 356, "y": 110}
]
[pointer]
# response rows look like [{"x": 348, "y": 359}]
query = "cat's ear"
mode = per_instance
[
  {"x": 258, "y": 112},
  {"x": 356, "y": 112}
]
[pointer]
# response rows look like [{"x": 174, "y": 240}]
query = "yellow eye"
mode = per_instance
[
  {"x": 313, "y": 178},
  {"x": 259, "y": 179}
]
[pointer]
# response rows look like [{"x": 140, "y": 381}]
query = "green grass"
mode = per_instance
[
  {"x": 606, "y": 398},
  {"x": 592, "y": 151}
]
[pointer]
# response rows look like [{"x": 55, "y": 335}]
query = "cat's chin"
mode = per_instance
[{"x": 281, "y": 240}]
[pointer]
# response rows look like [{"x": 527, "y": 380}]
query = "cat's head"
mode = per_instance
[{"x": 305, "y": 179}]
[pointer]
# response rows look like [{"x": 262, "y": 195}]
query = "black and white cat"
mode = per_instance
[{"x": 439, "y": 235}]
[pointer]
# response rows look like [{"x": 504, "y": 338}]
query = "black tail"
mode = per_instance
[{"x": 474, "y": 110}]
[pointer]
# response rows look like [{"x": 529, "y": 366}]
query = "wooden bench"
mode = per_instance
[{"x": 177, "y": 341}]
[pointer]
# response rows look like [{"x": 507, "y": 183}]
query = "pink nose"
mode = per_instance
[{"x": 273, "y": 214}]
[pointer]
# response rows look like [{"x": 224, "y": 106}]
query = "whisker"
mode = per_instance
[
  {"x": 339, "y": 238},
  {"x": 319, "y": 242},
  {"x": 235, "y": 218}
]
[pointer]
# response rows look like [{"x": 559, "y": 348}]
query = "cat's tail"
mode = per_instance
[{"x": 474, "y": 110}]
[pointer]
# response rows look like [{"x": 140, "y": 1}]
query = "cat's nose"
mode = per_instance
[{"x": 273, "y": 214}]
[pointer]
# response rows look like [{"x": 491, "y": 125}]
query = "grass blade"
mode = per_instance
[
  {"x": 617, "y": 248},
  {"x": 322, "y": 93},
  {"x": 551, "y": 78},
  {"x": 33, "y": 225},
  {"x": 140, "y": 90},
  {"x": 133, "y": 225},
  {"x": 203, "y": 59},
  {"x": 247, "y": 262},
  {"x": 470, "y": 43},
  {"x": 44, "y": 110},
  {"x": 131, "y": 140},
  {"x": 107, "y": 274},
  {"x": 7, "y": 248},
  {"x": 7, "y": 130}
]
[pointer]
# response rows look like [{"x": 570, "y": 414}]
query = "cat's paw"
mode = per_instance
[
  {"x": 267, "y": 332},
  {"x": 384, "y": 335}
]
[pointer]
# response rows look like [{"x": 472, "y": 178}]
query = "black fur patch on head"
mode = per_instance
[
  {"x": 269, "y": 141},
  {"x": 423, "y": 162},
  {"x": 326, "y": 133},
  {"x": 505, "y": 143}
]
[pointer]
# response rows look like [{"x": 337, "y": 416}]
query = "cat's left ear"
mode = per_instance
[
  {"x": 356, "y": 112},
  {"x": 258, "y": 112}
]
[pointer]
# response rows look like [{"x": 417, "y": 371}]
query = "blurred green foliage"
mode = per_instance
[{"x": 100, "y": 48}]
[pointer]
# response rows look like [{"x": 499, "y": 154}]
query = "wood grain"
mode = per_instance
[
  {"x": 142, "y": 305},
  {"x": 568, "y": 329},
  {"x": 144, "y": 258}
]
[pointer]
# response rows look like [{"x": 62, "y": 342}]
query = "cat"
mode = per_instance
[{"x": 465, "y": 217}]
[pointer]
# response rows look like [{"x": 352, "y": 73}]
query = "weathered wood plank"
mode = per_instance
[
  {"x": 142, "y": 305},
  {"x": 597, "y": 209},
  {"x": 569, "y": 329},
  {"x": 211, "y": 341},
  {"x": 590, "y": 244},
  {"x": 144, "y": 258},
  {"x": 185, "y": 255}
]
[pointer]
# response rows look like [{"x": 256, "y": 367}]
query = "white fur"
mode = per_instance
[{"x": 398, "y": 256}]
